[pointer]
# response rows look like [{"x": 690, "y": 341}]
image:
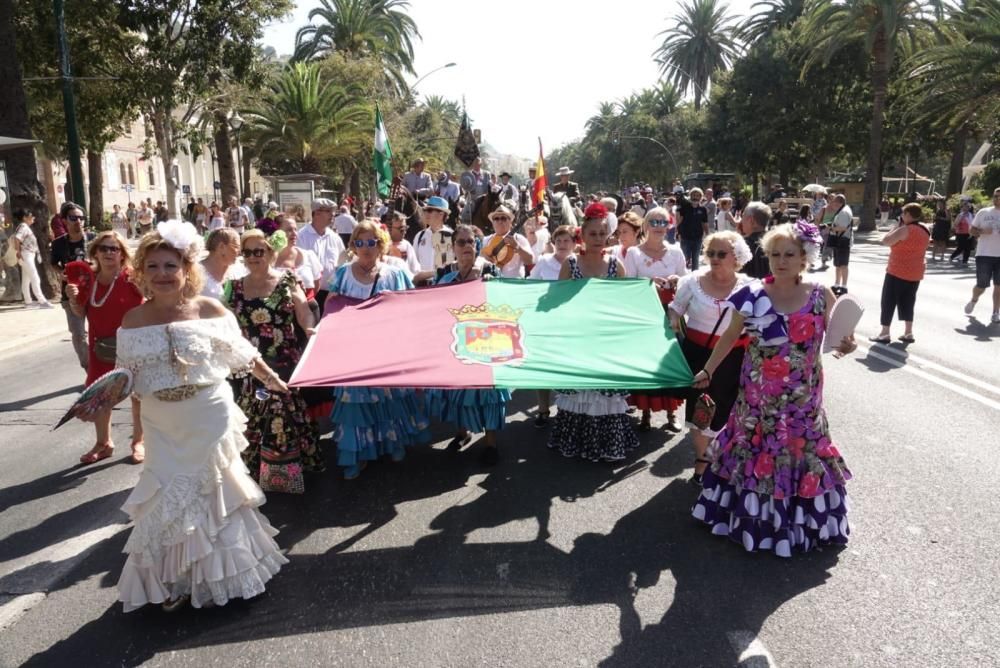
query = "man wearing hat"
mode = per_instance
[
  {"x": 447, "y": 188},
  {"x": 475, "y": 183},
  {"x": 508, "y": 190},
  {"x": 417, "y": 181},
  {"x": 646, "y": 203},
  {"x": 321, "y": 240},
  {"x": 503, "y": 220},
  {"x": 571, "y": 188},
  {"x": 433, "y": 243}
]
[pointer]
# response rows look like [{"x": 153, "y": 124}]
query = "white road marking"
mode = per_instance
[
  {"x": 750, "y": 651},
  {"x": 13, "y": 610},
  {"x": 910, "y": 358},
  {"x": 969, "y": 394}
]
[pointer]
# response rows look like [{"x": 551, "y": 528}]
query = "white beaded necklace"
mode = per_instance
[{"x": 93, "y": 292}]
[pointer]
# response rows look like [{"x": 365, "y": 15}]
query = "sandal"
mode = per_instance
[
  {"x": 696, "y": 478},
  {"x": 880, "y": 339},
  {"x": 138, "y": 453},
  {"x": 907, "y": 338},
  {"x": 97, "y": 453},
  {"x": 175, "y": 604},
  {"x": 459, "y": 442}
]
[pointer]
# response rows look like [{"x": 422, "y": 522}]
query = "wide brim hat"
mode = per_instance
[
  {"x": 502, "y": 209},
  {"x": 507, "y": 174},
  {"x": 437, "y": 203},
  {"x": 564, "y": 171}
]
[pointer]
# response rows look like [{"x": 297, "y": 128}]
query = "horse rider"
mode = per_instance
[
  {"x": 447, "y": 188},
  {"x": 475, "y": 183},
  {"x": 508, "y": 191},
  {"x": 417, "y": 181},
  {"x": 571, "y": 188}
]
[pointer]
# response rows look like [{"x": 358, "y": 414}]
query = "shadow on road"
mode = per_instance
[
  {"x": 718, "y": 588},
  {"x": 21, "y": 404}
]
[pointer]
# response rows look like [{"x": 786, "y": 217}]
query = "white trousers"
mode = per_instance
[{"x": 30, "y": 280}]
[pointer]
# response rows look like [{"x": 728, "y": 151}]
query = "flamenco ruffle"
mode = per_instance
[
  {"x": 474, "y": 410},
  {"x": 371, "y": 422},
  {"x": 199, "y": 535},
  {"x": 591, "y": 402},
  {"x": 761, "y": 522},
  {"x": 593, "y": 437}
]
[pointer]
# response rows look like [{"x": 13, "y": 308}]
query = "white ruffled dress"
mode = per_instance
[{"x": 197, "y": 527}]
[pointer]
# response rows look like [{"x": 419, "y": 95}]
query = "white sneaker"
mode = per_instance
[
  {"x": 968, "y": 307},
  {"x": 995, "y": 319},
  {"x": 45, "y": 304}
]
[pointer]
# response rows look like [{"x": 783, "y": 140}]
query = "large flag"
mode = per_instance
[
  {"x": 466, "y": 148},
  {"x": 382, "y": 156},
  {"x": 541, "y": 183},
  {"x": 517, "y": 334}
]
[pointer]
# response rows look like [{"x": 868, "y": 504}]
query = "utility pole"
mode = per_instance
[{"x": 69, "y": 104}]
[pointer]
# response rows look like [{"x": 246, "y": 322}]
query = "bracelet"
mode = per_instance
[{"x": 707, "y": 373}]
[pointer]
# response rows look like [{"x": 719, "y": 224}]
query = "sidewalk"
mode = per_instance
[{"x": 21, "y": 328}]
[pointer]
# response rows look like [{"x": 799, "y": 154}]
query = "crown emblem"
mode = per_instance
[{"x": 502, "y": 313}]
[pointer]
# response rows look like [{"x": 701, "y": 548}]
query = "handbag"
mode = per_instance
[
  {"x": 704, "y": 406},
  {"x": 106, "y": 348},
  {"x": 285, "y": 478}
]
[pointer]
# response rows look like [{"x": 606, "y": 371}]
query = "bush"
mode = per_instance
[
  {"x": 991, "y": 177},
  {"x": 978, "y": 197}
]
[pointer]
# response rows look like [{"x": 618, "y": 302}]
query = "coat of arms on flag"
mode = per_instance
[{"x": 487, "y": 334}]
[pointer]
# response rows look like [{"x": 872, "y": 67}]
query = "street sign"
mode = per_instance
[
  {"x": 186, "y": 190},
  {"x": 128, "y": 187},
  {"x": 217, "y": 185}
]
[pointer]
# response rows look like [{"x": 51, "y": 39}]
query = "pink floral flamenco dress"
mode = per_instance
[{"x": 777, "y": 480}]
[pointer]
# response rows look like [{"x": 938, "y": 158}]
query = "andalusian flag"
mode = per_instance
[
  {"x": 516, "y": 334},
  {"x": 382, "y": 156},
  {"x": 541, "y": 183}
]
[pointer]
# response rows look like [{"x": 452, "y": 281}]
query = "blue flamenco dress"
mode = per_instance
[
  {"x": 475, "y": 410},
  {"x": 371, "y": 422}
]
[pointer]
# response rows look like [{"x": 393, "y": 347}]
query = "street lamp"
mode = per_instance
[
  {"x": 413, "y": 88},
  {"x": 236, "y": 122}
]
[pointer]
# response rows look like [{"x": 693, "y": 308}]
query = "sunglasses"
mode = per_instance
[
  {"x": 76, "y": 219},
  {"x": 505, "y": 219},
  {"x": 711, "y": 254},
  {"x": 465, "y": 242},
  {"x": 110, "y": 249},
  {"x": 658, "y": 222},
  {"x": 254, "y": 252},
  {"x": 362, "y": 243}
]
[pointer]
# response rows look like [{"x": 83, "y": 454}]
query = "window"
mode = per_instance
[
  {"x": 152, "y": 181},
  {"x": 121, "y": 173},
  {"x": 131, "y": 175}
]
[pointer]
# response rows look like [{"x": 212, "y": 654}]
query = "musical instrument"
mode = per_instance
[{"x": 497, "y": 250}]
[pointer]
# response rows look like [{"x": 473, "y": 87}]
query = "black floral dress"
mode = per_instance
[{"x": 278, "y": 427}]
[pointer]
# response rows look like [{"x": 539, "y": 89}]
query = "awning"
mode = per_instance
[{"x": 10, "y": 143}]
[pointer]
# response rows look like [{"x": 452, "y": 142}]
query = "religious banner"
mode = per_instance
[
  {"x": 507, "y": 333},
  {"x": 466, "y": 148}
]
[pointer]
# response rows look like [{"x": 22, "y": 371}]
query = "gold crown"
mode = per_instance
[{"x": 487, "y": 312}]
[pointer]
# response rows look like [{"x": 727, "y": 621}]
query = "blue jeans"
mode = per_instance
[{"x": 692, "y": 251}]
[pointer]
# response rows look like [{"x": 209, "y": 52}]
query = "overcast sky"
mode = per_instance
[{"x": 529, "y": 68}]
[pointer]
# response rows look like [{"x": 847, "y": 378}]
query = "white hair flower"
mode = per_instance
[
  {"x": 742, "y": 251},
  {"x": 180, "y": 235}
]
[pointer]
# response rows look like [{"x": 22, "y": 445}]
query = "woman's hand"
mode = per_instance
[
  {"x": 702, "y": 379},
  {"x": 72, "y": 291},
  {"x": 675, "y": 322},
  {"x": 310, "y": 331},
  {"x": 275, "y": 384},
  {"x": 846, "y": 347}
]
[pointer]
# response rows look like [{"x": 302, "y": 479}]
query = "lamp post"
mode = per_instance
[
  {"x": 69, "y": 105},
  {"x": 236, "y": 122},
  {"x": 413, "y": 88}
]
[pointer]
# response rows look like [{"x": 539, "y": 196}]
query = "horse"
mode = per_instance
[
  {"x": 561, "y": 211},
  {"x": 402, "y": 200},
  {"x": 482, "y": 207}
]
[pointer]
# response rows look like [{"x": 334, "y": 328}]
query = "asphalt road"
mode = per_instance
[{"x": 544, "y": 561}]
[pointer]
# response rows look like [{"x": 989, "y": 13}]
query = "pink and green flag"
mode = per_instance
[{"x": 515, "y": 334}]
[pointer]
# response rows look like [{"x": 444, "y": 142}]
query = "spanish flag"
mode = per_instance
[{"x": 541, "y": 183}]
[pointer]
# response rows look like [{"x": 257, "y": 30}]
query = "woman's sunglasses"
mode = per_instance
[
  {"x": 254, "y": 252},
  {"x": 712, "y": 254},
  {"x": 110, "y": 249},
  {"x": 658, "y": 222},
  {"x": 362, "y": 243}
]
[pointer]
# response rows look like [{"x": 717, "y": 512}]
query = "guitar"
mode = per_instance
[{"x": 497, "y": 251}]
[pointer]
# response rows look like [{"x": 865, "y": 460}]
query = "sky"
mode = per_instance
[{"x": 529, "y": 68}]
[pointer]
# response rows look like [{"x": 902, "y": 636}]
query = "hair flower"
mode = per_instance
[
  {"x": 278, "y": 241},
  {"x": 180, "y": 235}
]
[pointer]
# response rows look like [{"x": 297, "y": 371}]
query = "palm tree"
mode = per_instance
[
  {"x": 773, "y": 15},
  {"x": 883, "y": 28},
  {"x": 380, "y": 29},
  {"x": 307, "y": 121},
  {"x": 449, "y": 111},
  {"x": 700, "y": 43}
]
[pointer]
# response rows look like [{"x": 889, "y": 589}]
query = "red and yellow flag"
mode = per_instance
[{"x": 541, "y": 183}]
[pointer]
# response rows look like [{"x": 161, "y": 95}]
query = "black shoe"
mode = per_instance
[
  {"x": 490, "y": 456},
  {"x": 542, "y": 420},
  {"x": 459, "y": 442}
]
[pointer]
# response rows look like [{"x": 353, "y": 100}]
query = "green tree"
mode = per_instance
[
  {"x": 379, "y": 29},
  {"x": 698, "y": 44},
  {"x": 883, "y": 29},
  {"x": 771, "y": 16}
]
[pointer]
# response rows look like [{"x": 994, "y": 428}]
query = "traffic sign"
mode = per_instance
[
  {"x": 128, "y": 187},
  {"x": 186, "y": 190},
  {"x": 217, "y": 185}
]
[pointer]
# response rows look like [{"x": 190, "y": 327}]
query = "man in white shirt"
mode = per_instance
[
  {"x": 417, "y": 181},
  {"x": 344, "y": 224},
  {"x": 236, "y": 217},
  {"x": 611, "y": 204},
  {"x": 503, "y": 220},
  {"x": 433, "y": 243},
  {"x": 986, "y": 229},
  {"x": 321, "y": 240},
  {"x": 400, "y": 248}
]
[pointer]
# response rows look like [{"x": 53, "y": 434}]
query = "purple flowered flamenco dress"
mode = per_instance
[{"x": 777, "y": 480}]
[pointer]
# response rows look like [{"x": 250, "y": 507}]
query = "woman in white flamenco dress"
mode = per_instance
[{"x": 198, "y": 535}]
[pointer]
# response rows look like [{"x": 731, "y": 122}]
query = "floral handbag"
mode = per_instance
[
  {"x": 286, "y": 478},
  {"x": 704, "y": 411}
]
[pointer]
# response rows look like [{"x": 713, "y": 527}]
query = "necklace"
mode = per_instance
[{"x": 93, "y": 293}]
